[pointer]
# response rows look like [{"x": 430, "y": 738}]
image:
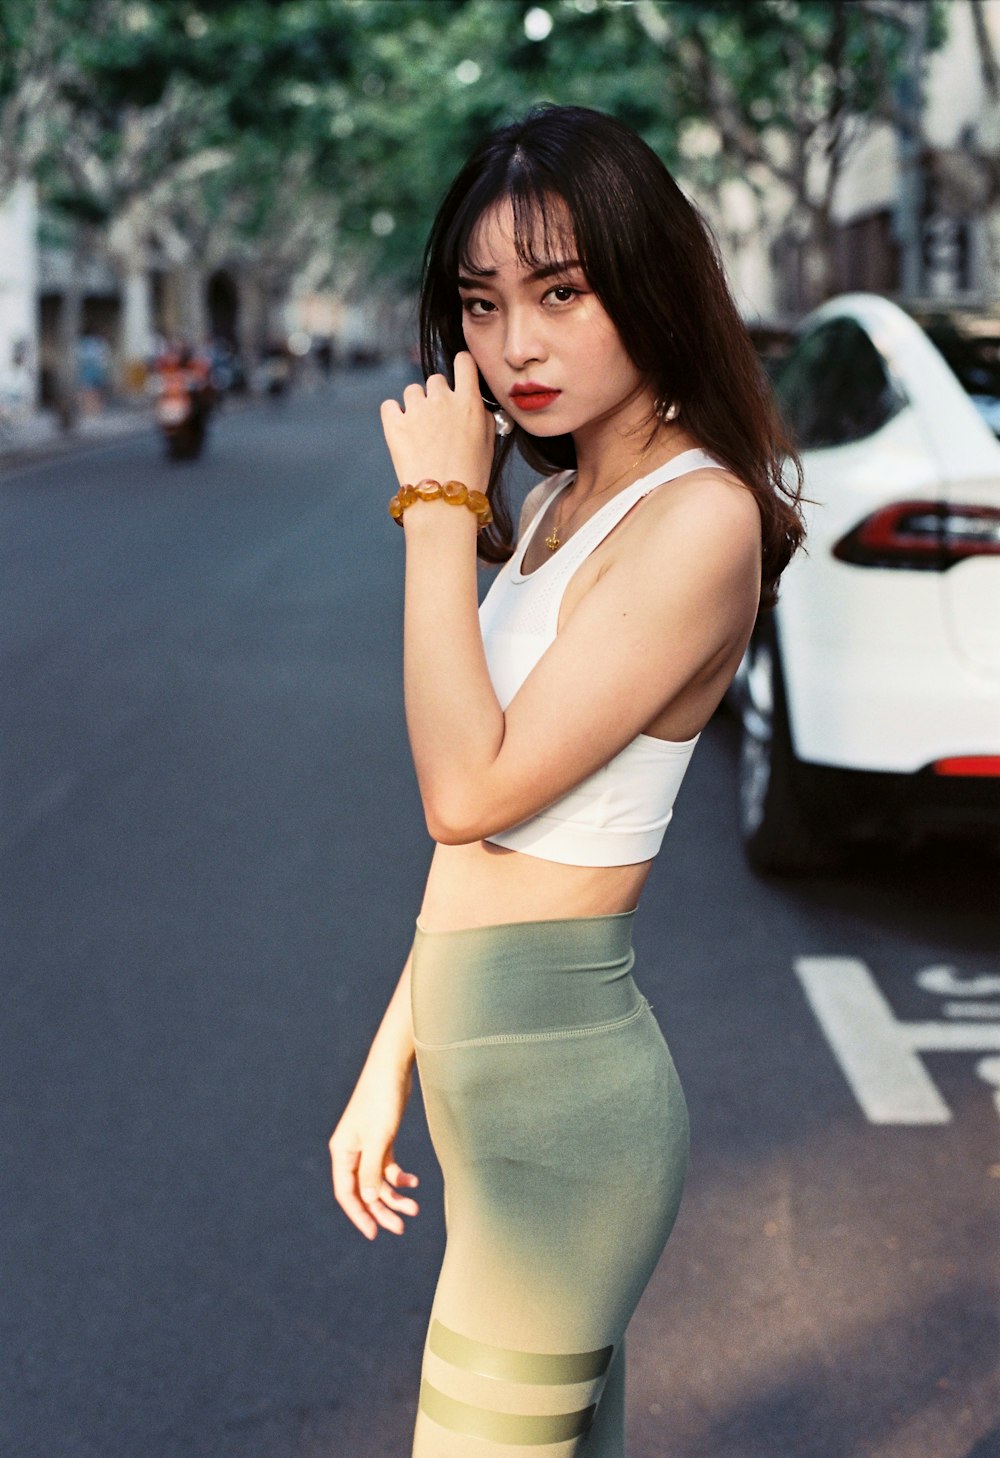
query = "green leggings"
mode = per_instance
[{"x": 561, "y": 1128}]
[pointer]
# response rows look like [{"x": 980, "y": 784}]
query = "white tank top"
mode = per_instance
[{"x": 617, "y": 815}]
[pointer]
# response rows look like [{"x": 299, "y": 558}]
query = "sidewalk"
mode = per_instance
[{"x": 38, "y": 435}]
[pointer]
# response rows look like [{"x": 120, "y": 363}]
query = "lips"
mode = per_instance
[{"x": 532, "y": 396}]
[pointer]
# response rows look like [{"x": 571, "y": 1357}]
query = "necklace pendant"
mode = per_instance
[{"x": 552, "y": 541}]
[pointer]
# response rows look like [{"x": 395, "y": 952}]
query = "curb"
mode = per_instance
[{"x": 73, "y": 442}]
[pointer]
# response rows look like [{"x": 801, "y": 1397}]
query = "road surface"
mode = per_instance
[{"x": 213, "y": 854}]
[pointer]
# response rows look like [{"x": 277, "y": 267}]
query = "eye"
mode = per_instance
[
  {"x": 478, "y": 308},
  {"x": 562, "y": 294}
]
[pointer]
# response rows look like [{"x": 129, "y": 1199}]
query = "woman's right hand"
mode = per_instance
[{"x": 365, "y": 1172}]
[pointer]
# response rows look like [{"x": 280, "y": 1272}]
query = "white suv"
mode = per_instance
[{"x": 870, "y": 696}]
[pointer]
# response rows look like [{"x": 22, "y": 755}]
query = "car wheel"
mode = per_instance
[{"x": 778, "y": 835}]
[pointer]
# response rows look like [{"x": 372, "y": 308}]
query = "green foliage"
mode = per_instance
[
  {"x": 369, "y": 106},
  {"x": 424, "y": 93}
]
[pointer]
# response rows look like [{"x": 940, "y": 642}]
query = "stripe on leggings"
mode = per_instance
[
  {"x": 502, "y": 1427},
  {"x": 543, "y": 1368}
]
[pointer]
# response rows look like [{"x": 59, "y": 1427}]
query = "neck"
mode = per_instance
[{"x": 609, "y": 447}]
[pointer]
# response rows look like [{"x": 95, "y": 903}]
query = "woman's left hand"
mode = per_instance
[{"x": 442, "y": 433}]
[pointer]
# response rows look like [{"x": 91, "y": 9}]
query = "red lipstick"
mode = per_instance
[{"x": 531, "y": 396}]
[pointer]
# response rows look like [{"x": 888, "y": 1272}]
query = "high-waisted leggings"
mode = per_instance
[{"x": 560, "y": 1125}]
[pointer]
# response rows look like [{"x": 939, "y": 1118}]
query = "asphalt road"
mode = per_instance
[{"x": 213, "y": 854}]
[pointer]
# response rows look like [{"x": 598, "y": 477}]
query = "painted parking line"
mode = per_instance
[
  {"x": 879, "y": 1054},
  {"x": 946, "y": 983}
]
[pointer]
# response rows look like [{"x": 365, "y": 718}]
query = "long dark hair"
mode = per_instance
[{"x": 654, "y": 264}]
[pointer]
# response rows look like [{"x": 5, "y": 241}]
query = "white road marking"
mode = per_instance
[
  {"x": 945, "y": 983},
  {"x": 878, "y": 1053},
  {"x": 989, "y": 1071},
  {"x": 972, "y": 1010}
]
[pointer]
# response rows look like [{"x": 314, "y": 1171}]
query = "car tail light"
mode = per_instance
[
  {"x": 927, "y": 535},
  {"x": 968, "y": 764}
]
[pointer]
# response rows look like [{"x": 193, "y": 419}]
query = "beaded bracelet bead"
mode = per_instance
[{"x": 456, "y": 493}]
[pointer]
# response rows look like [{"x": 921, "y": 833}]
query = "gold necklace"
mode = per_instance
[{"x": 553, "y": 541}]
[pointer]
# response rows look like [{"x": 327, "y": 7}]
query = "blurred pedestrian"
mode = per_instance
[
  {"x": 222, "y": 364},
  {"x": 571, "y": 288},
  {"x": 324, "y": 356},
  {"x": 93, "y": 371},
  {"x": 275, "y": 369}
]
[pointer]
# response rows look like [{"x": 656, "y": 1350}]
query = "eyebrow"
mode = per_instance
[{"x": 544, "y": 270}]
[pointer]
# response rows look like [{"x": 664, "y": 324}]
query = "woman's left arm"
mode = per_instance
[{"x": 643, "y": 633}]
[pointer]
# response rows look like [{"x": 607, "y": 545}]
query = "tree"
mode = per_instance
[
  {"x": 35, "y": 68},
  {"x": 789, "y": 88},
  {"x": 772, "y": 94},
  {"x": 295, "y": 134}
]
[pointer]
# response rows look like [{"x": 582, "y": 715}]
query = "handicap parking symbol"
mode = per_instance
[{"x": 880, "y": 1055}]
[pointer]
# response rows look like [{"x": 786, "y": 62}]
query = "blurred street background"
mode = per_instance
[
  {"x": 261, "y": 175},
  {"x": 213, "y": 849}
]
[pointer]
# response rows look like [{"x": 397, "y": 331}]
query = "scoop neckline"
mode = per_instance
[
  {"x": 516, "y": 575},
  {"x": 522, "y": 547}
]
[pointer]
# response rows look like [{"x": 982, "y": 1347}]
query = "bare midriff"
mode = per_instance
[{"x": 481, "y": 884}]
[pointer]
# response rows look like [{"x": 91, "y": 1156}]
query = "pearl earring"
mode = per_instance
[
  {"x": 503, "y": 421},
  {"x": 671, "y": 412}
]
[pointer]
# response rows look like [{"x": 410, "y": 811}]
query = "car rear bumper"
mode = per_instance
[
  {"x": 891, "y": 708},
  {"x": 875, "y": 803}
]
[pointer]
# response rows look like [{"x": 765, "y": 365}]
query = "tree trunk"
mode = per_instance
[
  {"x": 252, "y": 317},
  {"x": 70, "y": 321},
  {"x": 193, "y": 307},
  {"x": 137, "y": 321},
  {"x": 909, "y": 211}
]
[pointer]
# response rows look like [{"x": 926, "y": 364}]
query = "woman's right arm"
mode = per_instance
[{"x": 361, "y": 1147}]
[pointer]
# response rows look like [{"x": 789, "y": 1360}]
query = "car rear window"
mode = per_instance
[{"x": 971, "y": 345}]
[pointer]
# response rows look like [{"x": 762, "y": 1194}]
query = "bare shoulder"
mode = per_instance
[
  {"x": 708, "y": 508},
  {"x": 696, "y": 541}
]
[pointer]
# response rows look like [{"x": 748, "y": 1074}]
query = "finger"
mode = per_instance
[
  {"x": 378, "y": 1207},
  {"x": 466, "y": 374},
  {"x": 412, "y": 394},
  {"x": 397, "y": 1176},
  {"x": 394, "y": 1175},
  {"x": 359, "y": 1215},
  {"x": 437, "y": 385},
  {"x": 345, "y": 1189},
  {"x": 391, "y": 417},
  {"x": 375, "y": 1192},
  {"x": 356, "y": 1211},
  {"x": 402, "y": 1203}
]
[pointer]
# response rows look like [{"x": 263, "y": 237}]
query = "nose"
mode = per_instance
[{"x": 524, "y": 339}]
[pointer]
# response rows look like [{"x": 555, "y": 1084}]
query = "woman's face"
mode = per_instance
[{"x": 542, "y": 339}]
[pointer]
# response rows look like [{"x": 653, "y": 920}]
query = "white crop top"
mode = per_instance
[{"x": 617, "y": 815}]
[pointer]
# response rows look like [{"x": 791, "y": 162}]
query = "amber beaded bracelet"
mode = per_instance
[{"x": 456, "y": 493}]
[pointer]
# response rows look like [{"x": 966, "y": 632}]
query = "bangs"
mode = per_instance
[{"x": 543, "y": 227}]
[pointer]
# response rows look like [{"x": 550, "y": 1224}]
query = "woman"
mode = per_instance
[{"x": 569, "y": 285}]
